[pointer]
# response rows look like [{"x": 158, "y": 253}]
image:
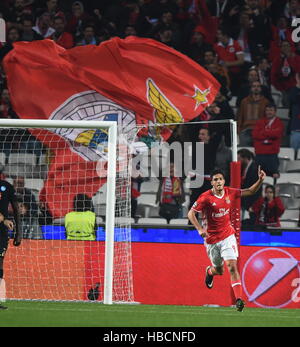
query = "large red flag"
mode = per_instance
[{"x": 114, "y": 81}]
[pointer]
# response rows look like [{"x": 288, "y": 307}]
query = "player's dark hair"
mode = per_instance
[{"x": 217, "y": 171}]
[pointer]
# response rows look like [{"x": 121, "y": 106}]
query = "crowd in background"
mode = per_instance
[{"x": 246, "y": 44}]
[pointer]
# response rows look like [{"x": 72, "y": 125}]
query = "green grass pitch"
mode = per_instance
[{"x": 62, "y": 314}]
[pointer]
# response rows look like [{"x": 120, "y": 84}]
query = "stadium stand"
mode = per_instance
[{"x": 183, "y": 24}]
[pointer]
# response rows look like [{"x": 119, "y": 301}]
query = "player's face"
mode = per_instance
[{"x": 218, "y": 182}]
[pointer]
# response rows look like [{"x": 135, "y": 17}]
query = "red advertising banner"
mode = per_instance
[{"x": 163, "y": 273}]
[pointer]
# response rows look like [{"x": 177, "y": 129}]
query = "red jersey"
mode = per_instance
[
  {"x": 217, "y": 212},
  {"x": 229, "y": 53}
]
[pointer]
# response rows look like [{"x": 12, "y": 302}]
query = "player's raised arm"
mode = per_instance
[{"x": 255, "y": 187}]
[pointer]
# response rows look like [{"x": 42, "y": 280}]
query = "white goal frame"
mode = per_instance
[{"x": 111, "y": 180}]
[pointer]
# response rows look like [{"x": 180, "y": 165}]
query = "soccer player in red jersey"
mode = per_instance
[{"x": 214, "y": 207}]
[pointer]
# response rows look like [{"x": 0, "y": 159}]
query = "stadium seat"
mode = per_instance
[
  {"x": 283, "y": 164},
  {"x": 232, "y": 101},
  {"x": 124, "y": 220},
  {"x": 287, "y": 153},
  {"x": 2, "y": 158},
  {"x": 277, "y": 98},
  {"x": 99, "y": 198},
  {"x": 100, "y": 209},
  {"x": 290, "y": 215},
  {"x": 286, "y": 189},
  {"x": 99, "y": 220},
  {"x": 179, "y": 221},
  {"x": 22, "y": 158},
  {"x": 152, "y": 221},
  {"x": 293, "y": 204},
  {"x": 289, "y": 178},
  {"x": 150, "y": 186},
  {"x": 283, "y": 113},
  {"x": 34, "y": 183},
  {"x": 59, "y": 221},
  {"x": 147, "y": 199},
  {"x": 289, "y": 224},
  {"x": 269, "y": 180},
  {"x": 293, "y": 166}
]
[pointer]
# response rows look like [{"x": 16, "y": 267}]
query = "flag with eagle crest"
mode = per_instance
[{"x": 128, "y": 80}]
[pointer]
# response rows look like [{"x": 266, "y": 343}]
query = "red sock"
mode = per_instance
[
  {"x": 209, "y": 272},
  {"x": 237, "y": 289}
]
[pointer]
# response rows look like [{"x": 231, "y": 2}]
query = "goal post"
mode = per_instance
[{"x": 77, "y": 250}]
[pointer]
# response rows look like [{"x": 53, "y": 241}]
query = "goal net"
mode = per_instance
[{"x": 72, "y": 184}]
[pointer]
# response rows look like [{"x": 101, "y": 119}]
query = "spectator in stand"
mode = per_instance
[
  {"x": 166, "y": 36},
  {"x": 281, "y": 32},
  {"x": 210, "y": 59},
  {"x": 260, "y": 34},
  {"x": 268, "y": 209},
  {"x": 79, "y": 18},
  {"x": 267, "y": 137},
  {"x": 211, "y": 143},
  {"x": 297, "y": 47},
  {"x": 223, "y": 159},
  {"x": 231, "y": 56},
  {"x": 224, "y": 8},
  {"x": 16, "y": 13},
  {"x": 197, "y": 46},
  {"x": 60, "y": 36},
  {"x": 295, "y": 115},
  {"x": 253, "y": 33},
  {"x": 245, "y": 89},
  {"x": 284, "y": 69},
  {"x": 135, "y": 193},
  {"x": 53, "y": 9},
  {"x": 263, "y": 69},
  {"x": 27, "y": 33},
  {"x": 89, "y": 37},
  {"x": 218, "y": 110},
  {"x": 292, "y": 9},
  {"x": 251, "y": 109},
  {"x": 43, "y": 25},
  {"x": 26, "y": 196},
  {"x": 7, "y": 135},
  {"x": 170, "y": 196},
  {"x": 167, "y": 31},
  {"x": 6, "y": 110},
  {"x": 29, "y": 223},
  {"x": 13, "y": 35},
  {"x": 214, "y": 70},
  {"x": 129, "y": 31},
  {"x": 103, "y": 25},
  {"x": 249, "y": 171}
]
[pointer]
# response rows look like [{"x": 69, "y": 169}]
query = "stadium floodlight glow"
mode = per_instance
[{"x": 111, "y": 178}]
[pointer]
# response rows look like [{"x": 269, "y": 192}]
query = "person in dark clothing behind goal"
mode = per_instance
[{"x": 7, "y": 196}]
